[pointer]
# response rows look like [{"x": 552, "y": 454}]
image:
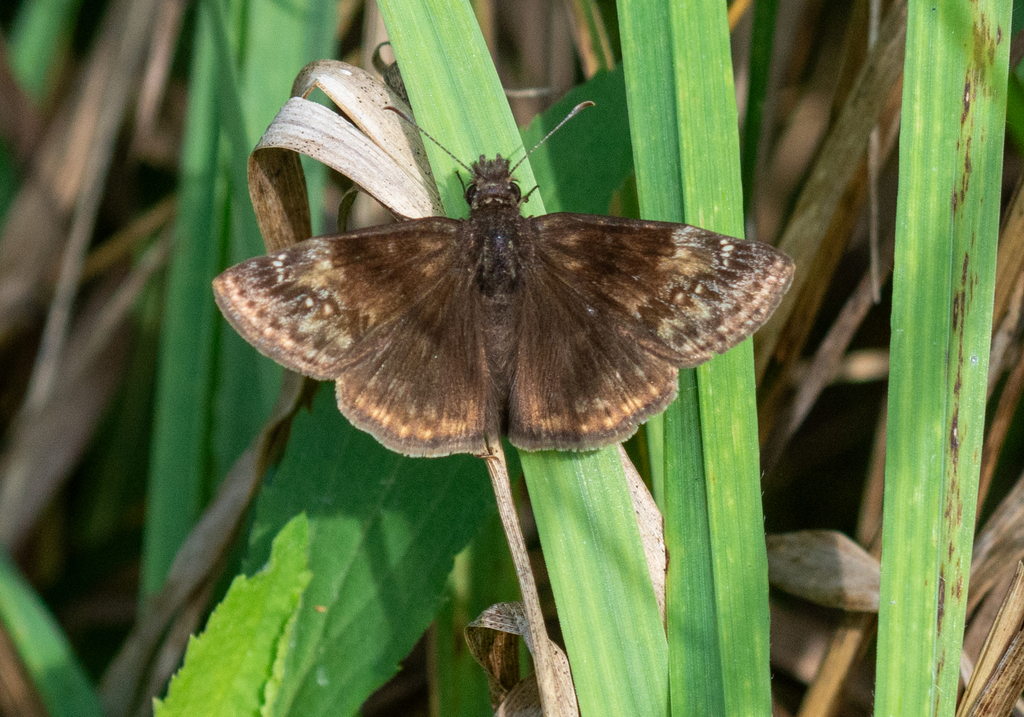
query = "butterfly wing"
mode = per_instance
[
  {"x": 613, "y": 307},
  {"x": 390, "y": 314}
]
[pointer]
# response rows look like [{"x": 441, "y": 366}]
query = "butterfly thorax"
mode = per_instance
[{"x": 494, "y": 200}]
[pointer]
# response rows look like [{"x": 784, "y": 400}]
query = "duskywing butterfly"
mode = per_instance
[{"x": 563, "y": 331}]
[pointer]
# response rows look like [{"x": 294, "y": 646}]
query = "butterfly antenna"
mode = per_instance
[
  {"x": 411, "y": 121},
  {"x": 575, "y": 111}
]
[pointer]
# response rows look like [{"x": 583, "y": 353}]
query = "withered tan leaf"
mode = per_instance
[
  {"x": 824, "y": 567},
  {"x": 493, "y": 640}
]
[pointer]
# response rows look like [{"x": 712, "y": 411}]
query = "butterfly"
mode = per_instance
[{"x": 563, "y": 331}]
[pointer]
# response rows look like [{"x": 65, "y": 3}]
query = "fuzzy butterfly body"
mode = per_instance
[{"x": 564, "y": 331}]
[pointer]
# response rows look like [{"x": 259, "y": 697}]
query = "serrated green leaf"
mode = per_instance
[
  {"x": 228, "y": 668},
  {"x": 384, "y": 530}
]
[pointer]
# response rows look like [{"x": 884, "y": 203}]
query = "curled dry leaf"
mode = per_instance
[
  {"x": 362, "y": 98},
  {"x": 374, "y": 150},
  {"x": 493, "y": 640},
  {"x": 824, "y": 567}
]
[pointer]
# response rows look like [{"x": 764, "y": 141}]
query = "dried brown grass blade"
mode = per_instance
[
  {"x": 824, "y": 567},
  {"x": 1005, "y": 335},
  {"x": 838, "y": 159},
  {"x": 846, "y": 647},
  {"x": 155, "y": 76},
  {"x": 48, "y": 439},
  {"x": 1010, "y": 260},
  {"x": 554, "y": 679},
  {"x": 652, "y": 529},
  {"x": 1009, "y": 400},
  {"x": 827, "y": 362},
  {"x": 69, "y": 174},
  {"x": 998, "y": 544},
  {"x": 998, "y": 677},
  {"x": 591, "y": 36}
]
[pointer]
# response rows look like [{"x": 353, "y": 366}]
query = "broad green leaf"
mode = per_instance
[
  {"x": 587, "y": 160},
  {"x": 383, "y": 532}
]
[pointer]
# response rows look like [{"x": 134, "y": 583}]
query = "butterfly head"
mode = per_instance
[{"x": 492, "y": 186}]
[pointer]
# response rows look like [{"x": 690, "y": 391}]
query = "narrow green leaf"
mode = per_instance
[
  {"x": 178, "y": 461},
  {"x": 762, "y": 42},
  {"x": 59, "y": 678},
  {"x": 228, "y": 668},
  {"x": 682, "y": 98},
  {"x": 951, "y": 145},
  {"x": 41, "y": 31},
  {"x": 606, "y": 605},
  {"x": 457, "y": 97},
  {"x": 713, "y": 198}
]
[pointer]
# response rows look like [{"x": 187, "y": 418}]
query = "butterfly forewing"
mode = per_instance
[
  {"x": 634, "y": 301},
  {"x": 675, "y": 287},
  {"x": 389, "y": 313}
]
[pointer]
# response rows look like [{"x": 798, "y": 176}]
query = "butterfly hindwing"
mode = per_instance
[{"x": 390, "y": 314}]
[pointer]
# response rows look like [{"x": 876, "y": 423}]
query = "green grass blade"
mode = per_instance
[
  {"x": 41, "y": 30},
  {"x": 762, "y": 41},
  {"x": 43, "y": 647},
  {"x": 458, "y": 98},
  {"x": 720, "y": 593},
  {"x": 951, "y": 145},
  {"x": 214, "y": 391},
  {"x": 177, "y": 462},
  {"x": 713, "y": 198}
]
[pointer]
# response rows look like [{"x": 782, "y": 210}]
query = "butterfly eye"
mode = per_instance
[
  {"x": 513, "y": 189},
  {"x": 470, "y": 193}
]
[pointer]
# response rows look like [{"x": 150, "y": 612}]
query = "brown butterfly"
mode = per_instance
[{"x": 563, "y": 331}]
